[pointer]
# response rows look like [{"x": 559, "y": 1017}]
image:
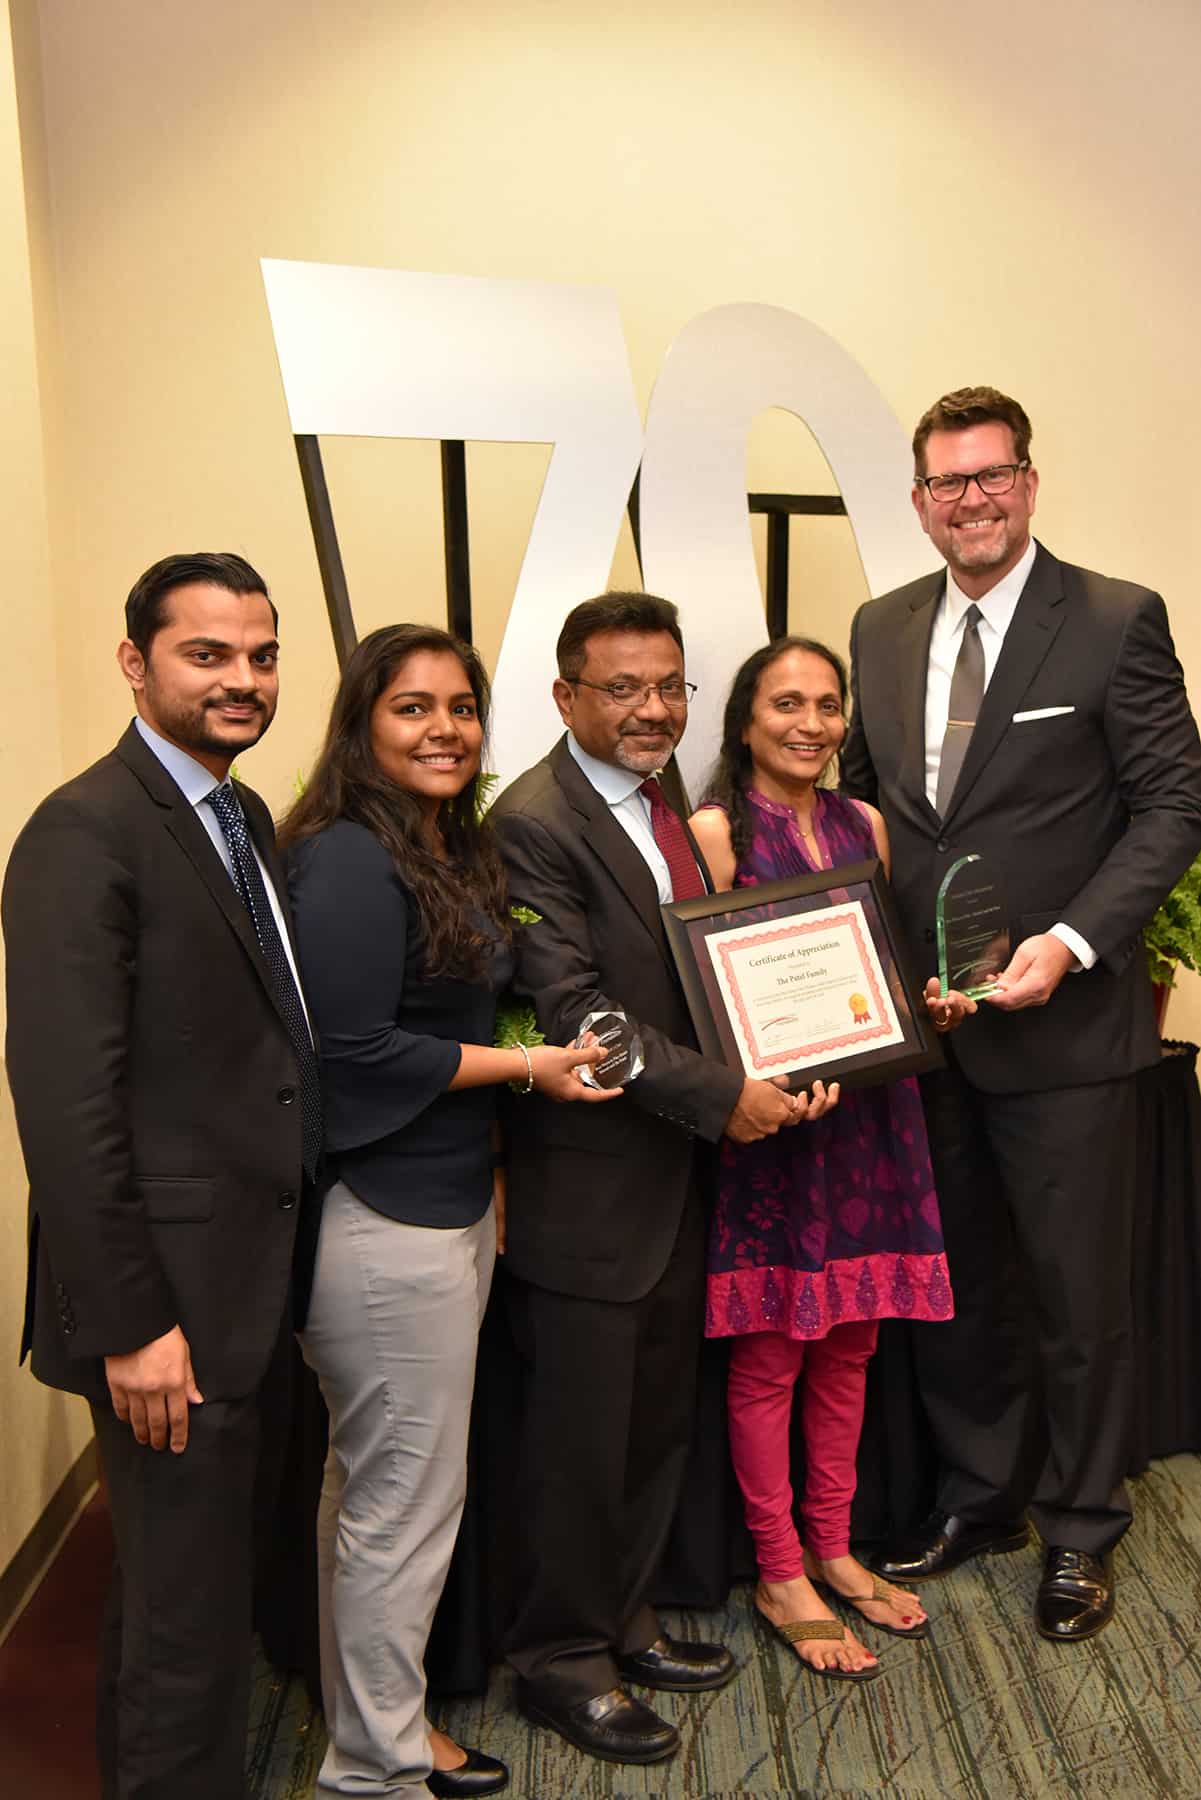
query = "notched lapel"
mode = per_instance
[
  {"x": 1032, "y": 630},
  {"x": 606, "y": 839},
  {"x": 913, "y": 661},
  {"x": 179, "y": 819},
  {"x": 627, "y": 868},
  {"x": 194, "y": 841}
]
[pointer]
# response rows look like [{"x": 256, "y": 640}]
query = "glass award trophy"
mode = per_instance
[
  {"x": 623, "y": 1060},
  {"x": 972, "y": 928}
]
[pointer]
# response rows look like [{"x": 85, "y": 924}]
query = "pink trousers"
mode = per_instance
[{"x": 764, "y": 1370}]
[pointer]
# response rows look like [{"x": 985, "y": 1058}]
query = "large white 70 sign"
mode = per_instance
[{"x": 386, "y": 353}]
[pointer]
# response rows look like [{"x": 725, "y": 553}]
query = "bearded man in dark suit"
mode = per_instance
[
  {"x": 605, "y": 1218},
  {"x": 1035, "y": 713},
  {"x": 167, "y": 1102}
]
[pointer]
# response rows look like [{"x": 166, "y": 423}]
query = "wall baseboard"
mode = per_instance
[{"x": 25, "y": 1571}]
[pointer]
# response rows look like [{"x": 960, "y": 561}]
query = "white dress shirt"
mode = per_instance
[
  {"x": 997, "y": 608},
  {"x": 195, "y": 782},
  {"x": 632, "y": 811}
]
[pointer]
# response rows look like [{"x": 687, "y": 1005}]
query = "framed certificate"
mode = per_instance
[{"x": 804, "y": 978}]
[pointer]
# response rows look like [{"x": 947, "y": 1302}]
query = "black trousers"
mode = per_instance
[
  {"x": 608, "y": 1416},
  {"x": 1029, "y": 1389},
  {"x": 173, "y": 1691}
]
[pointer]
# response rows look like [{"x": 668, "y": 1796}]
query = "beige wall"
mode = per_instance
[
  {"x": 43, "y": 1432},
  {"x": 955, "y": 193}
]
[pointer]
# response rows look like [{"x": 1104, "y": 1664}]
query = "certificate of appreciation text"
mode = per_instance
[{"x": 803, "y": 990}]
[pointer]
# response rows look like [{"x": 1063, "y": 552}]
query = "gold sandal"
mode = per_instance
[
  {"x": 881, "y": 1590},
  {"x": 796, "y": 1631}
]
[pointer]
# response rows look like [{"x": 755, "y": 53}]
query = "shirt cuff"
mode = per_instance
[{"x": 1080, "y": 948}]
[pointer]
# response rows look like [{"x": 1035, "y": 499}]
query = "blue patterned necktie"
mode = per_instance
[{"x": 248, "y": 880}]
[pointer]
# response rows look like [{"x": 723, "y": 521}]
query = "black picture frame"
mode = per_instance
[{"x": 689, "y": 922}]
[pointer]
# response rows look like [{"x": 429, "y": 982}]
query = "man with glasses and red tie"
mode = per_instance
[
  {"x": 1032, "y": 712},
  {"x": 606, "y": 1234}
]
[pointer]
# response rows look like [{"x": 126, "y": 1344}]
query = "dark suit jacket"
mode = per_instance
[
  {"x": 596, "y": 1192},
  {"x": 154, "y": 1083},
  {"x": 1090, "y": 815}
]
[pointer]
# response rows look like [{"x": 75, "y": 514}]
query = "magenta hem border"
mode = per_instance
[{"x": 801, "y": 1303}]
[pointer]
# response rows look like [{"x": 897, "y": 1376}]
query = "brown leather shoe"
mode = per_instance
[
  {"x": 1075, "y": 1595},
  {"x": 613, "y": 1726}
]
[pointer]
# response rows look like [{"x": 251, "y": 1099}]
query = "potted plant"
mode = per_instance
[{"x": 1174, "y": 936}]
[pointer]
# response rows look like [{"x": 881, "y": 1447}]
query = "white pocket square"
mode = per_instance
[{"x": 1042, "y": 712}]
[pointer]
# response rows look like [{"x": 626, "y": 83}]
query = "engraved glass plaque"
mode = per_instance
[
  {"x": 972, "y": 928},
  {"x": 623, "y": 1060}
]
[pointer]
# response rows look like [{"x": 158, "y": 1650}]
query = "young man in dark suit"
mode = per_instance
[
  {"x": 1035, "y": 713},
  {"x": 166, "y": 1096},
  {"x": 605, "y": 1223}
]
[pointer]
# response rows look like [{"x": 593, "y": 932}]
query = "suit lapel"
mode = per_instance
[
  {"x": 913, "y": 661},
  {"x": 179, "y": 818},
  {"x": 1032, "y": 630},
  {"x": 610, "y": 843}
]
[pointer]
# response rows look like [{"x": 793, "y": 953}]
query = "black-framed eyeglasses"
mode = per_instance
[
  {"x": 998, "y": 478},
  {"x": 673, "y": 692}
]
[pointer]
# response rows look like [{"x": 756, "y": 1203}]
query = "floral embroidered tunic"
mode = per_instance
[{"x": 838, "y": 1219}]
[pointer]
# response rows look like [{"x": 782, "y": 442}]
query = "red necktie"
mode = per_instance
[{"x": 672, "y": 839}]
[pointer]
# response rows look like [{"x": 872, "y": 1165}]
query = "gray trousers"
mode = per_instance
[{"x": 391, "y": 1336}]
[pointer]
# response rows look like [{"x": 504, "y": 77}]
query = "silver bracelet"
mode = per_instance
[{"x": 529, "y": 1073}]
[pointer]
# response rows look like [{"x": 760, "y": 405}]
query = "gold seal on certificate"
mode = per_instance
[{"x": 803, "y": 978}]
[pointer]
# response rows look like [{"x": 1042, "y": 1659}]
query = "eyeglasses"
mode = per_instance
[
  {"x": 673, "y": 692},
  {"x": 998, "y": 478}
]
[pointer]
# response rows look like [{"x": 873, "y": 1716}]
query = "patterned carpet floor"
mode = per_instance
[{"x": 983, "y": 1709}]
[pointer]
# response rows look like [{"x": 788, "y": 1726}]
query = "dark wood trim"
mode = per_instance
[
  {"x": 455, "y": 543},
  {"x": 325, "y": 540},
  {"x": 781, "y": 509},
  {"x": 634, "y": 510},
  {"x": 33, "y": 1558},
  {"x": 819, "y": 504}
]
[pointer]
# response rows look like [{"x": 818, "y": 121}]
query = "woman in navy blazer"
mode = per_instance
[{"x": 405, "y": 942}]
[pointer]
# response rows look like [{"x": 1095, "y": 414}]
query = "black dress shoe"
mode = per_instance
[
  {"x": 1075, "y": 1595},
  {"x": 678, "y": 1667},
  {"x": 945, "y": 1541},
  {"x": 480, "y": 1774},
  {"x": 613, "y": 1726}
]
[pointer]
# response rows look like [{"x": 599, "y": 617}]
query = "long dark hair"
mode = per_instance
[
  {"x": 348, "y": 783},
  {"x": 731, "y": 774}
]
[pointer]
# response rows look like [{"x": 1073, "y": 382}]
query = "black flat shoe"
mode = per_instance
[
  {"x": 480, "y": 1774},
  {"x": 676, "y": 1666},
  {"x": 943, "y": 1542},
  {"x": 1075, "y": 1595},
  {"x": 613, "y": 1726}
]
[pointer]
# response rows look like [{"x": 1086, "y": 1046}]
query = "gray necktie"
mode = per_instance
[{"x": 967, "y": 691}]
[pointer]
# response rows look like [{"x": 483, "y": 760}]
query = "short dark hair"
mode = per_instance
[
  {"x": 145, "y": 609},
  {"x": 618, "y": 610},
  {"x": 972, "y": 406}
]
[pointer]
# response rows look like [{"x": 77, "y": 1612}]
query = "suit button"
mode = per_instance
[
  {"x": 928, "y": 935},
  {"x": 68, "y": 1325},
  {"x": 287, "y": 1201},
  {"x": 60, "y": 1290},
  {"x": 286, "y": 1096},
  {"x": 942, "y": 846}
]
